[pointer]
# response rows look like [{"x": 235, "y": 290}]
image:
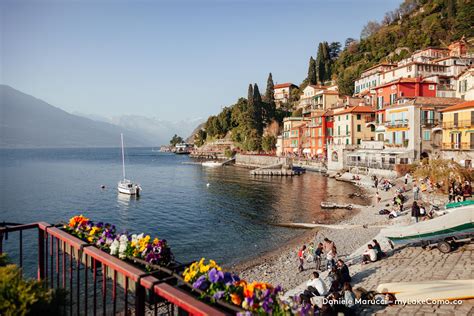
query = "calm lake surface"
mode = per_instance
[{"x": 230, "y": 221}]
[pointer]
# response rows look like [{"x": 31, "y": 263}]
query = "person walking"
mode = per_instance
[
  {"x": 415, "y": 211},
  {"x": 416, "y": 192},
  {"x": 301, "y": 255},
  {"x": 377, "y": 197},
  {"x": 318, "y": 252},
  {"x": 406, "y": 178}
]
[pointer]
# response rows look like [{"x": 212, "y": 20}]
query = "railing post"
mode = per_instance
[
  {"x": 40, "y": 254},
  {"x": 139, "y": 299}
]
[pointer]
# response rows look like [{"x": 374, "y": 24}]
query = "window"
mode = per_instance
[
  {"x": 393, "y": 96},
  {"x": 431, "y": 87},
  {"x": 426, "y": 135},
  {"x": 372, "y": 128},
  {"x": 329, "y": 131},
  {"x": 339, "y": 118},
  {"x": 347, "y": 117},
  {"x": 347, "y": 141},
  {"x": 358, "y": 141},
  {"x": 320, "y": 142},
  {"x": 358, "y": 116},
  {"x": 358, "y": 127},
  {"x": 339, "y": 131},
  {"x": 347, "y": 130}
]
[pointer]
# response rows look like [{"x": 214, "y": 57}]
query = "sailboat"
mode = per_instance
[{"x": 126, "y": 186}]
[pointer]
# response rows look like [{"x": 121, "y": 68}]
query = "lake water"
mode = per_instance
[{"x": 230, "y": 220}]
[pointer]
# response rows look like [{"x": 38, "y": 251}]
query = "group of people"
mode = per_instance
[
  {"x": 459, "y": 192},
  {"x": 338, "y": 288},
  {"x": 314, "y": 254},
  {"x": 384, "y": 184}
]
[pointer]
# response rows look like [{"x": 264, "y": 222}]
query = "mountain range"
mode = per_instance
[{"x": 28, "y": 122}]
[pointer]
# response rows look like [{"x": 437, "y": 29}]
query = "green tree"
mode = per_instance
[
  {"x": 312, "y": 76},
  {"x": 268, "y": 143},
  {"x": 176, "y": 140},
  {"x": 334, "y": 50},
  {"x": 258, "y": 110},
  {"x": 323, "y": 63},
  {"x": 200, "y": 138},
  {"x": 269, "y": 106}
]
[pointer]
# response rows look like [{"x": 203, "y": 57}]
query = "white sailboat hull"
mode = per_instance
[{"x": 127, "y": 187}]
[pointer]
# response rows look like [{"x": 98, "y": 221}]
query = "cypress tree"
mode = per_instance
[
  {"x": 312, "y": 77},
  {"x": 269, "y": 93},
  {"x": 320, "y": 64},
  {"x": 270, "y": 107},
  {"x": 250, "y": 96},
  {"x": 258, "y": 110}
]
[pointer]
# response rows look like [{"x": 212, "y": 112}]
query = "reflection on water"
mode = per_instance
[{"x": 228, "y": 220}]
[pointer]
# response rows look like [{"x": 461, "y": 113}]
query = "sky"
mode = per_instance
[{"x": 170, "y": 60}]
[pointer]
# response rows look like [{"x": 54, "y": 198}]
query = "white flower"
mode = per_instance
[
  {"x": 134, "y": 238},
  {"x": 140, "y": 236},
  {"x": 123, "y": 246},
  {"x": 114, "y": 247}
]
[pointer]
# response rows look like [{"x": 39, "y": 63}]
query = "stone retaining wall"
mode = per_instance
[{"x": 258, "y": 161}]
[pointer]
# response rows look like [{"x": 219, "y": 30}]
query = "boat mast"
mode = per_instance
[{"x": 123, "y": 157}]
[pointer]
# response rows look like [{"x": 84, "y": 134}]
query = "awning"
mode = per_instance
[
  {"x": 295, "y": 150},
  {"x": 306, "y": 151},
  {"x": 436, "y": 129},
  {"x": 380, "y": 129},
  {"x": 455, "y": 132},
  {"x": 319, "y": 151}
]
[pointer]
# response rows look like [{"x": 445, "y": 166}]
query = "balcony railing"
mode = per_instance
[
  {"x": 396, "y": 123},
  {"x": 458, "y": 146},
  {"x": 371, "y": 164},
  {"x": 429, "y": 122},
  {"x": 97, "y": 282},
  {"x": 369, "y": 119},
  {"x": 458, "y": 124}
]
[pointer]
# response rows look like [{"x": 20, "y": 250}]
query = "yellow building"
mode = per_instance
[
  {"x": 458, "y": 132},
  {"x": 350, "y": 126}
]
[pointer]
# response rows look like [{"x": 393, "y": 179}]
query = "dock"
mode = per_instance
[{"x": 277, "y": 170}]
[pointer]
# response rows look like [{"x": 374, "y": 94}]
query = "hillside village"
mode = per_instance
[{"x": 422, "y": 106}]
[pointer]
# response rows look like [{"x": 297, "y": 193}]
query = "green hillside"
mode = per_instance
[{"x": 414, "y": 25}]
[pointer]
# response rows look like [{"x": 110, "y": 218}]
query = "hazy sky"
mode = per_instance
[{"x": 167, "y": 59}]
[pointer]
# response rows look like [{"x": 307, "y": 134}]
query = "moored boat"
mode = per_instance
[
  {"x": 212, "y": 164},
  {"x": 126, "y": 186}
]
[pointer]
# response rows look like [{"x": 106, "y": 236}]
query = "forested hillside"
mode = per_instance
[{"x": 414, "y": 25}]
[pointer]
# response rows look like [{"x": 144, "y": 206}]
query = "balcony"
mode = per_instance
[
  {"x": 458, "y": 124},
  {"x": 458, "y": 146},
  {"x": 429, "y": 122},
  {"x": 371, "y": 164},
  {"x": 396, "y": 123},
  {"x": 369, "y": 119}
]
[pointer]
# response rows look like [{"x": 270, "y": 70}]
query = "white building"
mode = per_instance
[
  {"x": 465, "y": 85},
  {"x": 282, "y": 93}
]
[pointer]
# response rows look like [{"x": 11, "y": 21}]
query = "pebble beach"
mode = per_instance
[{"x": 351, "y": 236}]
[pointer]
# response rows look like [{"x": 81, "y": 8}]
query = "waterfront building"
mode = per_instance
[
  {"x": 292, "y": 134},
  {"x": 458, "y": 133},
  {"x": 350, "y": 125},
  {"x": 282, "y": 93},
  {"x": 412, "y": 129},
  {"x": 465, "y": 85}
]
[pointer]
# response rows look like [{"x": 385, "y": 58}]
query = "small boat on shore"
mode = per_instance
[
  {"x": 212, "y": 164},
  {"x": 429, "y": 290},
  {"x": 446, "y": 230},
  {"x": 331, "y": 205}
]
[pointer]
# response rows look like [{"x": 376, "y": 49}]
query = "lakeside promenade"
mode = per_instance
[{"x": 402, "y": 264}]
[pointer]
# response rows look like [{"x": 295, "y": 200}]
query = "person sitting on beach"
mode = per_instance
[
  {"x": 334, "y": 280},
  {"x": 318, "y": 252},
  {"x": 393, "y": 213},
  {"x": 343, "y": 272},
  {"x": 378, "y": 249},
  {"x": 315, "y": 286},
  {"x": 349, "y": 297},
  {"x": 370, "y": 255},
  {"x": 301, "y": 255}
]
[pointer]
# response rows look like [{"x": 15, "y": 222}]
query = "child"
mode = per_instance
[{"x": 301, "y": 254}]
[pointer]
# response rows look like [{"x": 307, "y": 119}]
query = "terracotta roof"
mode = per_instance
[
  {"x": 357, "y": 109},
  {"x": 283, "y": 85},
  {"x": 379, "y": 65},
  {"x": 460, "y": 106},
  {"x": 436, "y": 101},
  {"x": 405, "y": 80}
]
